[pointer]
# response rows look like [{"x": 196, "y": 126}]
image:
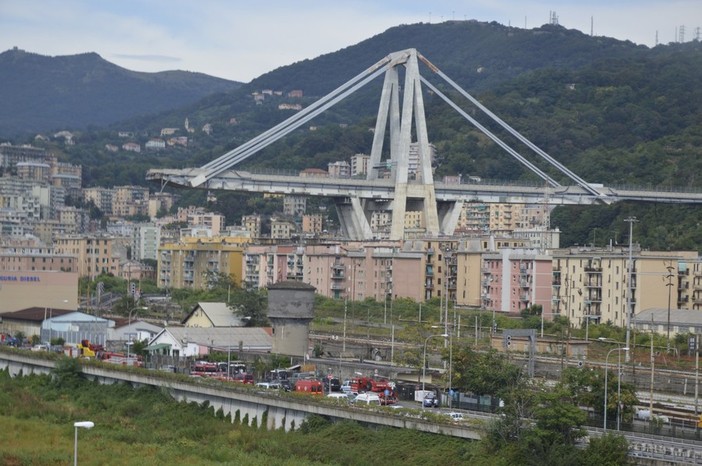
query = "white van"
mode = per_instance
[{"x": 368, "y": 398}]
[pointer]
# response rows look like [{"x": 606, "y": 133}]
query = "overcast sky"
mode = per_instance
[{"x": 242, "y": 39}]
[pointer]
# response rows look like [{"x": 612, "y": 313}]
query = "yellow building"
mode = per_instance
[
  {"x": 192, "y": 261},
  {"x": 592, "y": 283}
]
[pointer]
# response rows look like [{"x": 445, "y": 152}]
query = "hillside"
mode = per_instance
[
  {"x": 41, "y": 93},
  {"x": 613, "y": 112},
  {"x": 476, "y": 55}
]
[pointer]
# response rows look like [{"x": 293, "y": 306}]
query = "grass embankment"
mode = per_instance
[{"x": 145, "y": 426}]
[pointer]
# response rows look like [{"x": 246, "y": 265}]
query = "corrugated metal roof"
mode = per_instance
[
  {"x": 222, "y": 338},
  {"x": 35, "y": 314}
]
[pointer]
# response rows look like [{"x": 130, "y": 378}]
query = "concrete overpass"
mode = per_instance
[
  {"x": 287, "y": 411},
  {"x": 278, "y": 409}
]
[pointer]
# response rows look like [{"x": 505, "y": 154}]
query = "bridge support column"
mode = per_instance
[
  {"x": 448, "y": 213},
  {"x": 352, "y": 218}
]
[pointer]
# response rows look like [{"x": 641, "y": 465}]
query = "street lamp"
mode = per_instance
[
  {"x": 619, "y": 350},
  {"x": 424, "y": 363},
  {"x": 82, "y": 425}
]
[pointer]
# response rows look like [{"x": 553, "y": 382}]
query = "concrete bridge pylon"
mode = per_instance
[{"x": 402, "y": 122}]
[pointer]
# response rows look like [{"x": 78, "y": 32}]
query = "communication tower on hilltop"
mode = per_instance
[
  {"x": 681, "y": 34},
  {"x": 553, "y": 18}
]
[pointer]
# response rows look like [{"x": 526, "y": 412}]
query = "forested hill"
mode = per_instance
[
  {"x": 41, "y": 93},
  {"x": 477, "y": 55},
  {"x": 611, "y": 111}
]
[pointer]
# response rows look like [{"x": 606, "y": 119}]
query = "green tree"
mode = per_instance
[
  {"x": 587, "y": 388},
  {"x": 483, "y": 373},
  {"x": 608, "y": 450}
]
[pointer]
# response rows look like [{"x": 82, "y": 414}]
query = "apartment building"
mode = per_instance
[
  {"x": 101, "y": 198},
  {"x": 146, "y": 239},
  {"x": 252, "y": 223},
  {"x": 128, "y": 201},
  {"x": 160, "y": 202},
  {"x": 282, "y": 229},
  {"x": 516, "y": 279},
  {"x": 339, "y": 169},
  {"x": 312, "y": 224},
  {"x": 593, "y": 283},
  {"x": 213, "y": 222},
  {"x": 94, "y": 254},
  {"x": 266, "y": 265},
  {"x": 295, "y": 206},
  {"x": 191, "y": 262},
  {"x": 359, "y": 164},
  {"x": 12, "y": 155}
]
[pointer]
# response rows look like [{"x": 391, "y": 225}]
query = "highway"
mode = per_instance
[{"x": 384, "y": 189}]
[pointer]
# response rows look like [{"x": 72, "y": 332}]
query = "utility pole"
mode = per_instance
[
  {"x": 669, "y": 277},
  {"x": 629, "y": 303}
]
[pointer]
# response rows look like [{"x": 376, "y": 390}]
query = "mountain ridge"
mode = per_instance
[{"x": 44, "y": 93}]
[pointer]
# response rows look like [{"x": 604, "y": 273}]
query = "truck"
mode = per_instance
[
  {"x": 384, "y": 388},
  {"x": 312, "y": 386}
]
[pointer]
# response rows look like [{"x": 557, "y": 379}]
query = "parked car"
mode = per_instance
[
  {"x": 430, "y": 401},
  {"x": 268, "y": 385},
  {"x": 367, "y": 398},
  {"x": 346, "y": 387},
  {"x": 338, "y": 396}
]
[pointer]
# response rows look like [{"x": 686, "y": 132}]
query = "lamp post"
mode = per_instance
[
  {"x": 424, "y": 363},
  {"x": 619, "y": 350},
  {"x": 82, "y": 425}
]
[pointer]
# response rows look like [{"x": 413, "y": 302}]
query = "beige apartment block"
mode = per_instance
[
  {"x": 213, "y": 222},
  {"x": 128, "y": 201},
  {"x": 95, "y": 254},
  {"x": 252, "y": 223},
  {"x": 159, "y": 202},
  {"x": 312, "y": 224},
  {"x": 505, "y": 217},
  {"x": 359, "y": 164},
  {"x": 266, "y": 265},
  {"x": 593, "y": 283},
  {"x": 295, "y": 206},
  {"x": 282, "y": 229},
  {"x": 33, "y": 261},
  {"x": 101, "y": 197},
  {"x": 192, "y": 262}
]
